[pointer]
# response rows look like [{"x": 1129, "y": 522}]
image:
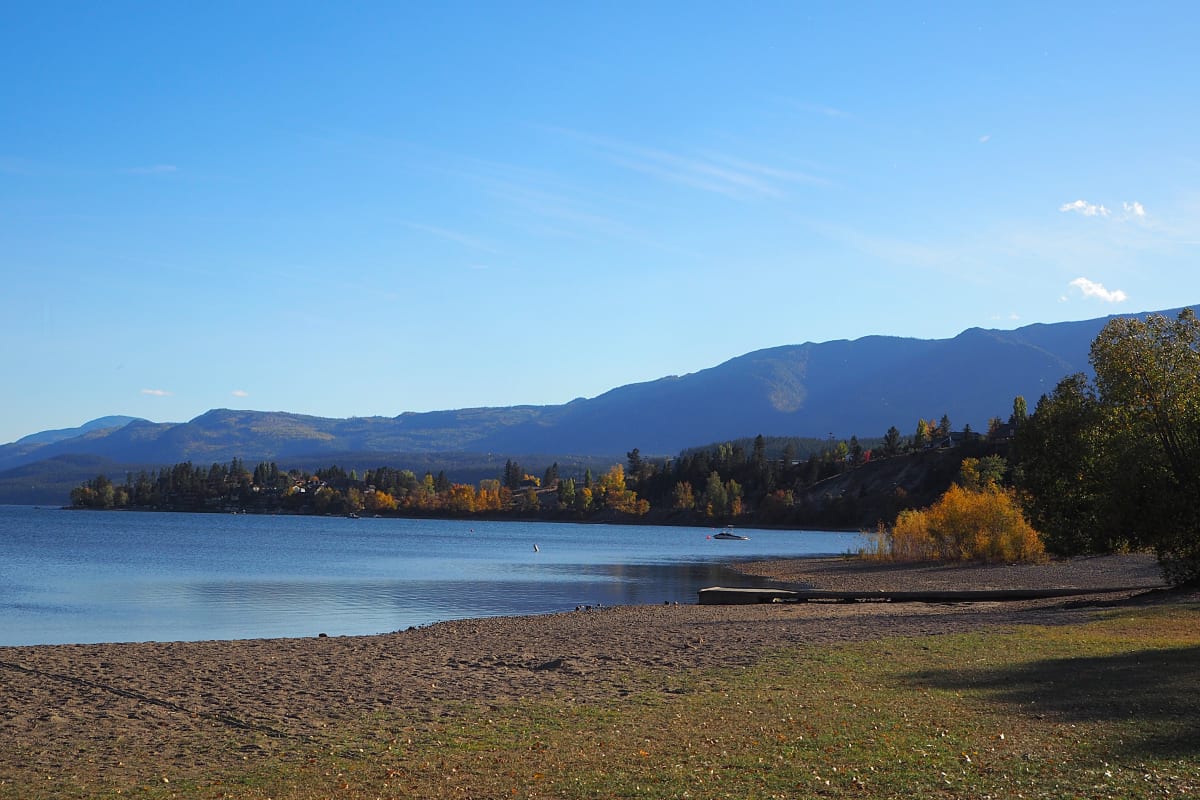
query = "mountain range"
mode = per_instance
[{"x": 860, "y": 387}]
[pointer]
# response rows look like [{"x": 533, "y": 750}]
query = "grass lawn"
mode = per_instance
[{"x": 1105, "y": 709}]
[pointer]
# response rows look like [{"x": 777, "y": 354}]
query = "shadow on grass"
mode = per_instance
[{"x": 1153, "y": 694}]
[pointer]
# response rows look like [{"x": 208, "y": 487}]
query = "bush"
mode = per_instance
[{"x": 983, "y": 524}]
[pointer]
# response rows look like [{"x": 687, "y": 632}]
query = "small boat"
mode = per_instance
[{"x": 727, "y": 533}]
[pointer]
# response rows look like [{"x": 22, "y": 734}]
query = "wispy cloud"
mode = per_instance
[
  {"x": 536, "y": 194},
  {"x": 1091, "y": 288},
  {"x": 157, "y": 392},
  {"x": 11, "y": 165},
  {"x": 240, "y": 393},
  {"x": 987, "y": 137},
  {"x": 823, "y": 110},
  {"x": 705, "y": 170},
  {"x": 451, "y": 236},
  {"x": 1085, "y": 208}
]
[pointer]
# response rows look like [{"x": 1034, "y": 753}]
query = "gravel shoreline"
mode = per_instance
[{"x": 128, "y": 711}]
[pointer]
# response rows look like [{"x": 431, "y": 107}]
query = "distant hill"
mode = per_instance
[
  {"x": 49, "y": 437},
  {"x": 844, "y": 388}
]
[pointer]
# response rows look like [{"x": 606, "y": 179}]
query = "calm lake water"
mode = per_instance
[{"x": 78, "y": 577}]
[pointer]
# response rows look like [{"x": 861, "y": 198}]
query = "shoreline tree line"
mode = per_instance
[{"x": 745, "y": 481}]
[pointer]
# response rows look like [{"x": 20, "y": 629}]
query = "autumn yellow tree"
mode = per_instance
[
  {"x": 460, "y": 499},
  {"x": 488, "y": 496},
  {"x": 618, "y": 496},
  {"x": 683, "y": 497},
  {"x": 377, "y": 501}
]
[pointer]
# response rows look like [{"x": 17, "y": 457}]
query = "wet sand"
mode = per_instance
[{"x": 121, "y": 712}]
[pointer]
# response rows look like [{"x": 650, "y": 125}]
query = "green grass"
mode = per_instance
[{"x": 1106, "y": 709}]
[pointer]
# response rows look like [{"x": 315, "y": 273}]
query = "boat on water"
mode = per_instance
[{"x": 727, "y": 533}]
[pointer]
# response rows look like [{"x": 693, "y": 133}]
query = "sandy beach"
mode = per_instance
[{"x": 138, "y": 711}]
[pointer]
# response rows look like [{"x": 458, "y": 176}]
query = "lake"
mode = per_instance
[{"x": 82, "y": 577}]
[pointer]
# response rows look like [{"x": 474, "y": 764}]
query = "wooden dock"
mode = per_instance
[{"x": 720, "y": 595}]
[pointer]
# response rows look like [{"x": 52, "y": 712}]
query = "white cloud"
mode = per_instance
[
  {"x": 1135, "y": 209},
  {"x": 1097, "y": 290},
  {"x": 987, "y": 137},
  {"x": 240, "y": 393},
  {"x": 1085, "y": 208},
  {"x": 157, "y": 392}
]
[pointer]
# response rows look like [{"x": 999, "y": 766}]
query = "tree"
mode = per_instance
[
  {"x": 758, "y": 456},
  {"x": 613, "y": 480},
  {"x": 922, "y": 436},
  {"x": 1148, "y": 378},
  {"x": 977, "y": 474},
  {"x": 583, "y": 499},
  {"x": 1020, "y": 412},
  {"x": 489, "y": 496},
  {"x": 566, "y": 493},
  {"x": 1150, "y": 371},
  {"x": 513, "y": 475},
  {"x": 635, "y": 464},
  {"x": 529, "y": 500},
  {"x": 379, "y": 501},
  {"x": 715, "y": 498},
  {"x": 856, "y": 451},
  {"x": 891, "y": 442},
  {"x": 682, "y": 496},
  {"x": 460, "y": 498},
  {"x": 1115, "y": 465},
  {"x": 1062, "y": 471}
]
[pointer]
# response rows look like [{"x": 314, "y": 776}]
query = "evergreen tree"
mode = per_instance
[{"x": 891, "y": 442}]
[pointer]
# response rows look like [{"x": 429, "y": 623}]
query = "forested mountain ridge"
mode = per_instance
[{"x": 839, "y": 387}]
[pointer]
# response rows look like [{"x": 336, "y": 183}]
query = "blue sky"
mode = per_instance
[{"x": 350, "y": 209}]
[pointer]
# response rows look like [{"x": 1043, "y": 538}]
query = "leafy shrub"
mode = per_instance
[{"x": 984, "y": 524}]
